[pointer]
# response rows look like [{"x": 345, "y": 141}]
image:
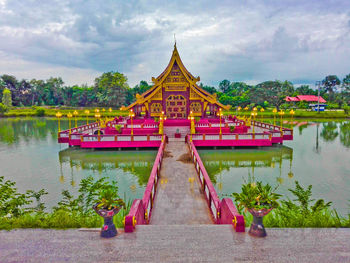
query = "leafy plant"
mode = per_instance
[
  {"x": 109, "y": 199},
  {"x": 118, "y": 128},
  {"x": 40, "y": 112},
  {"x": 3, "y": 108},
  {"x": 232, "y": 128},
  {"x": 257, "y": 196}
]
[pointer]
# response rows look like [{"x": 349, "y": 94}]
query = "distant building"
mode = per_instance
[{"x": 312, "y": 99}]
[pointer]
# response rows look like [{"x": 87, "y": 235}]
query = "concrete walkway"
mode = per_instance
[
  {"x": 176, "y": 243},
  {"x": 179, "y": 200}
]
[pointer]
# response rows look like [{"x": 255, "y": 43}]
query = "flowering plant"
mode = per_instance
[{"x": 257, "y": 196}]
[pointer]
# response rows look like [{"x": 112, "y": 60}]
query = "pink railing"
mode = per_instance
[
  {"x": 269, "y": 126},
  {"x": 223, "y": 212},
  {"x": 232, "y": 136},
  {"x": 141, "y": 210}
]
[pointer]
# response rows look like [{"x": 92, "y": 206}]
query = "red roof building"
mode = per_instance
[{"x": 307, "y": 98}]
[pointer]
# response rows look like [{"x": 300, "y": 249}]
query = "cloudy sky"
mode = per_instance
[{"x": 243, "y": 40}]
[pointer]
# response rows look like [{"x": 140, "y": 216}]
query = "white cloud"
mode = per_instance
[{"x": 248, "y": 41}]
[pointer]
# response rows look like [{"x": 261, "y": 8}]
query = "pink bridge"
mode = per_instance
[{"x": 178, "y": 192}]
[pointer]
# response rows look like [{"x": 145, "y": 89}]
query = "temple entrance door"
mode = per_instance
[{"x": 176, "y": 107}]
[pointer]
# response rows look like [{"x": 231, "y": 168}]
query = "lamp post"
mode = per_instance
[
  {"x": 274, "y": 117},
  {"x": 87, "y": 112},
  {"x": 191, "y": 118},
  {"x": 131, "y": 115},
  {"x": 292, "y": 112},
  {"x": 239, "y": 109},
  {"x": 98, "y": 116},
  {"x": 75, "y": 113},
  {"x": 162, "y": 118},
  {"x": 59, "y": 115},
  {"x": 254, "y": 114},
  {"x": 220, "y": 114},
  {"x": 262, "y": 116},
  {"x": 318, "y": 84},
  {"x": 69, "y": 115},
  {"x": 96, "y": 112},
  {"x": 281, "y": 113}
]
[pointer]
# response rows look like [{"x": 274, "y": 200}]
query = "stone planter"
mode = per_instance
[
  {"x": 177, "y": 135},
  {"x": 108, "y": 229},
  {"x": 257, "y": 228}
]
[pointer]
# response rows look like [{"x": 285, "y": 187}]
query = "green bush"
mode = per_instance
[
  {"x": 40, "y": 112},
  {"x": 346, "y": 108},
  {"x": 70, "y": 212},
  {"x": 3, "y": 109}
]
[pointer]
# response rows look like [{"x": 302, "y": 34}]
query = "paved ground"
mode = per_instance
[
  {"x": 178, "y": 200},
  {"x": 175, "y": 243}
]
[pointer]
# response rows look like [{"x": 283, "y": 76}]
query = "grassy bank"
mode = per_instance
[
  {"x": 51, "y": 112},
  {"x": 299, "y": 113}
]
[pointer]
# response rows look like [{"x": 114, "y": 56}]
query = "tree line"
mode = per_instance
[{"x": 111, "y": 89}]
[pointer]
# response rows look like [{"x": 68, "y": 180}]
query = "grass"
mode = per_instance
[
  {"x": 299, "y": 113},
  {"x": 51, "y": 112},
  {"x": 60, "y": 219}
]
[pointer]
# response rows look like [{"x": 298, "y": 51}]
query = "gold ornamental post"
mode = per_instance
[
  {"x": 59, "y": 115},
  {"x": 262, "y": 115},
  {"x": 75, "y": 113},
  {"x": 69, "y": 115},
  {"x": 87, "y": 112},
  {"x": 98, "y": 116},
  {"x": 131, "y": 115},
  {"x": 220, "y": 114},
  {"x": 281, "y": 113},
  {"x": 292, "y": 112},
  {"x": 274, "y": 117}
]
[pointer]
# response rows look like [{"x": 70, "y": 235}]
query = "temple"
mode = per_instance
[{"x": 175, "y": 93}]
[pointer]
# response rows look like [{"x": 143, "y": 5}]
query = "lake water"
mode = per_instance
[
  {"x": 31, "y": 156},
  {"x": 319, "y": 155}
]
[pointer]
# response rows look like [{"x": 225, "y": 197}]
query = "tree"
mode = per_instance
[
  {"x": 208, "y": 89},
  {"x": 111, "y": 89},
  {"x": 7, "y": 98},
  {"x": 224, "y": 85},
  {"x": 305, "y": 90},
  {"x": 274, "y": 92},
  {"x": 346, "y": 82},
  {"x": 329, "y": 83}
]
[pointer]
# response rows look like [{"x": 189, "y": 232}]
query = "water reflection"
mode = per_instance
[
  {"x": 217, "y": 161},
  {"x": 345, "y": 134},
  {"x": 137, "y": 163},
  {"x": 329, "y": 131}
]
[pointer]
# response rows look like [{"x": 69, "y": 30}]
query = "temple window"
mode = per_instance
[
  {"x": 196, "y": 107},
  {"x": 156, "y": 107}
]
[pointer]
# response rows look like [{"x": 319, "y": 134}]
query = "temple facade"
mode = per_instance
[{"x": 175, "y": 93}]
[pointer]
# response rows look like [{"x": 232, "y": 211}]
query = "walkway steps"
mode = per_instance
[
  {"x": 178, "y": 199},
  {"x": 176, "y": 243}
]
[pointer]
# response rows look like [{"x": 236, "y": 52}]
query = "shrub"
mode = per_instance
[
  {"x": 232, "y": 128},
  {"x": 346, "y": 108},
  {"x": 3, "y": 108},
  {"x": 40, "y": 112}
]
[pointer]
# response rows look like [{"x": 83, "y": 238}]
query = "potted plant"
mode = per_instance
[
  {"x": 177, "y": 133},
  {"x": 107, "y": 206},
  {"x": 259, "y": 200}
]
